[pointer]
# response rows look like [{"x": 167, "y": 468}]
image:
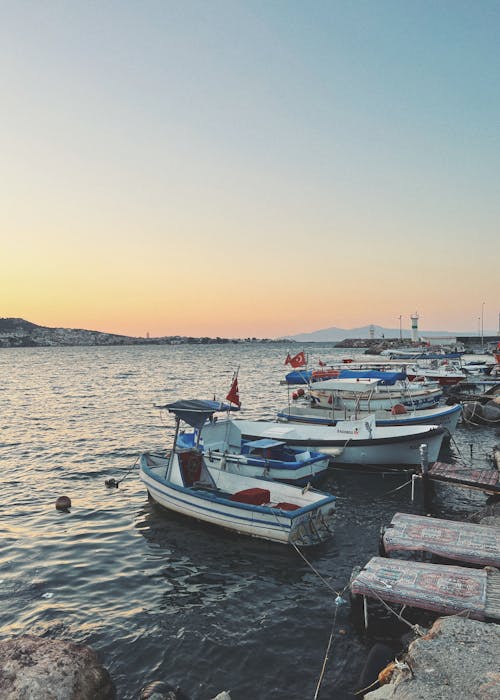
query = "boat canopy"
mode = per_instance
[
  {"x": 299, "y": 376},
  {"x": 195, "y": 412},
  {"x": 386, "y": 378}
]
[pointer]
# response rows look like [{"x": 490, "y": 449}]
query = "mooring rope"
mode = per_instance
[
  {"x": 114, "y": 483},
  {"x": 337, "y": 593},
  {"x": 327, "y": 653}
]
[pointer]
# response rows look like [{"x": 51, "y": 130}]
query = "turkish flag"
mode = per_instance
[
  {"x": 234, "y": 394},
  {"x": 299, "y": 360}
]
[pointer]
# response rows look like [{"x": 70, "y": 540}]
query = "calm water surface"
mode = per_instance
[{"x": 157, "y": 596}]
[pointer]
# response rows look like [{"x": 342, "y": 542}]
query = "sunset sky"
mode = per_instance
[{"x": 231, "y": 168}]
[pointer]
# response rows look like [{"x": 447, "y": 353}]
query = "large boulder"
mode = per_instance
[
  {"x": 35, "y": 668},
  {"x": 456, "y": 660}
]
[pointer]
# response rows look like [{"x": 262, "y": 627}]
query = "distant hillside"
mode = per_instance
[
  {"x": 335, "y": 335},
  {"x": 16, "y": 332}
]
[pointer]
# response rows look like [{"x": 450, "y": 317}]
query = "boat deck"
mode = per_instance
[
  {"x": 460, "y": 541},
  {"x": 486, "y": 480},
  {"x": 447, "y": 590}
]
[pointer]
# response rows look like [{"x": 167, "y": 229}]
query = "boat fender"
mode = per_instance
[
  {"x": 300, "y": 392},
  {"x": 63, "y": 503},
  {"x": 295, "y": 396}
]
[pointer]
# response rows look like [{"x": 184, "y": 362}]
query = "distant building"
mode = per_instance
[{"x": 443, "y": 340}]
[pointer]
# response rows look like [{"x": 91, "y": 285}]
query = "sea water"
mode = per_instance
[{"x": 158, "y": 596}]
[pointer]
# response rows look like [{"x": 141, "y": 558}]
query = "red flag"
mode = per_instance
[
  {"x": 299, "y": 360},
  {"x": 234, "y": 394}
]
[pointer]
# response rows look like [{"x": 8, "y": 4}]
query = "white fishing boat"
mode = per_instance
[
  {"x": 350, "y": 442},
  {"x": 185, "y": 482},
  {"x": 446, "y": 417},
  {"x": 446, "y": 373},
  {"x": 266, "y": 458},
  {"x": 371, "y": 394}
]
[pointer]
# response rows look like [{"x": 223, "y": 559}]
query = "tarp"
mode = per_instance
[
  {"x": 195, "y": 412},
  {"x": 386, "y": 378},
  {"x": 299, "y": 376}
]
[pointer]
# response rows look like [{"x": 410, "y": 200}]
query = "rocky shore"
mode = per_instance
[{"x": 456, "y": 660}]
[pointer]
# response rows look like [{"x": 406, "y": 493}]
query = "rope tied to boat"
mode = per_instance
[
  {"x": 113, "y": 483},
  {"x": 337, "y": 593}
]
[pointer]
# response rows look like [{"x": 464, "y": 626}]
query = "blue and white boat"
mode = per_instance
[
  {"x": 359, "y": 442},
  {"x": 266, "y": 457},
  {"x": 185, "y": 482},
  {"x": 303, "y": 411}
]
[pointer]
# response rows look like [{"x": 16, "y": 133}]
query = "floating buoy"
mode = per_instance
[
  {"x": 110, "y": 483},
  {"x": 300, "y": 392},
  {"x": 295, "y": 396},
  {"x": 63, "y": 503}
]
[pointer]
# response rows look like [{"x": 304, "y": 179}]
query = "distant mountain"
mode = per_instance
[
  {"x": 335, "y": 335},
  {"x": 16, "y": 332}
]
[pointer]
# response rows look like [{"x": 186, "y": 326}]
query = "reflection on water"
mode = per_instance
[{"x": 151, "y": 590}]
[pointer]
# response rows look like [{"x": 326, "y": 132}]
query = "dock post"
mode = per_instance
[
  {"x": 413, "y": 478},
  {"x": 424, "y": 465}
]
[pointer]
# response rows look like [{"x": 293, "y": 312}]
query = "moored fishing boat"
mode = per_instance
[
  {"x": 445, "y": 374},
  {"x": 351, "y": 442},
  {"x": 185, "y": 482},
  {"x": 267, "y": 458},
  {"x": 446, "y": 417},
  {"x": 370, "y": 391}
]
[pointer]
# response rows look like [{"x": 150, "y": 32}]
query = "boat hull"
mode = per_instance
[
  {"x": 387, "y": 447},
  {"x": 310, "y": 524},
  {"x": 287, "y": 472},
  {"x": 446, "y": 417}
]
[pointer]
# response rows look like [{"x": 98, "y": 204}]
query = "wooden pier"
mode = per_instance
[
  {"x": 419, "y": 536},
  {"x": 446, "y": 590},
  {"x": 486, "y": 480}
]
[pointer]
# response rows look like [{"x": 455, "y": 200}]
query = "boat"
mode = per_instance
[
  {"x": 183, "y": 481},
  {"x": 412, "y": 354},
  {"x": 369, "y": 391},
  {"x": 267, "y": 458},
  {"x": 446, "y": 417},
  {"x": 446, "y": 374},
  {"x": 350, "y": 442}
]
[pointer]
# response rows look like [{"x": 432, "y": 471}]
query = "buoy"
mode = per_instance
[
  {"x": 110, "y": 483},
  {"x": 63, "y": 503},
  {"x": 295, "y": 396},
  {"x": 300, "y": 392},
  {"x": 398, "y": 409}
]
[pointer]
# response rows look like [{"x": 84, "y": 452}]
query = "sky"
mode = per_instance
[{"x": 250, "y": 169}]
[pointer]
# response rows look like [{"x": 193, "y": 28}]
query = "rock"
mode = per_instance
[
  {"x": 158, "y": 690},
  {"x": 35, "y": 668},
  {"x": 456, "y": 660}
]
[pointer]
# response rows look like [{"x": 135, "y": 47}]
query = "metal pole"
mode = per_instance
[{"x": 482, "y": 326}]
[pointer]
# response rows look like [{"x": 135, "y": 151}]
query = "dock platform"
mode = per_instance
[
  {"x": 446, "y": 590},
  {"x": 474, "y": 544},
  {"x": 486, "y": 480}
]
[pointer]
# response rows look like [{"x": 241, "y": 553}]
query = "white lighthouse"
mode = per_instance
[{"x": 414, "y": 327}]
